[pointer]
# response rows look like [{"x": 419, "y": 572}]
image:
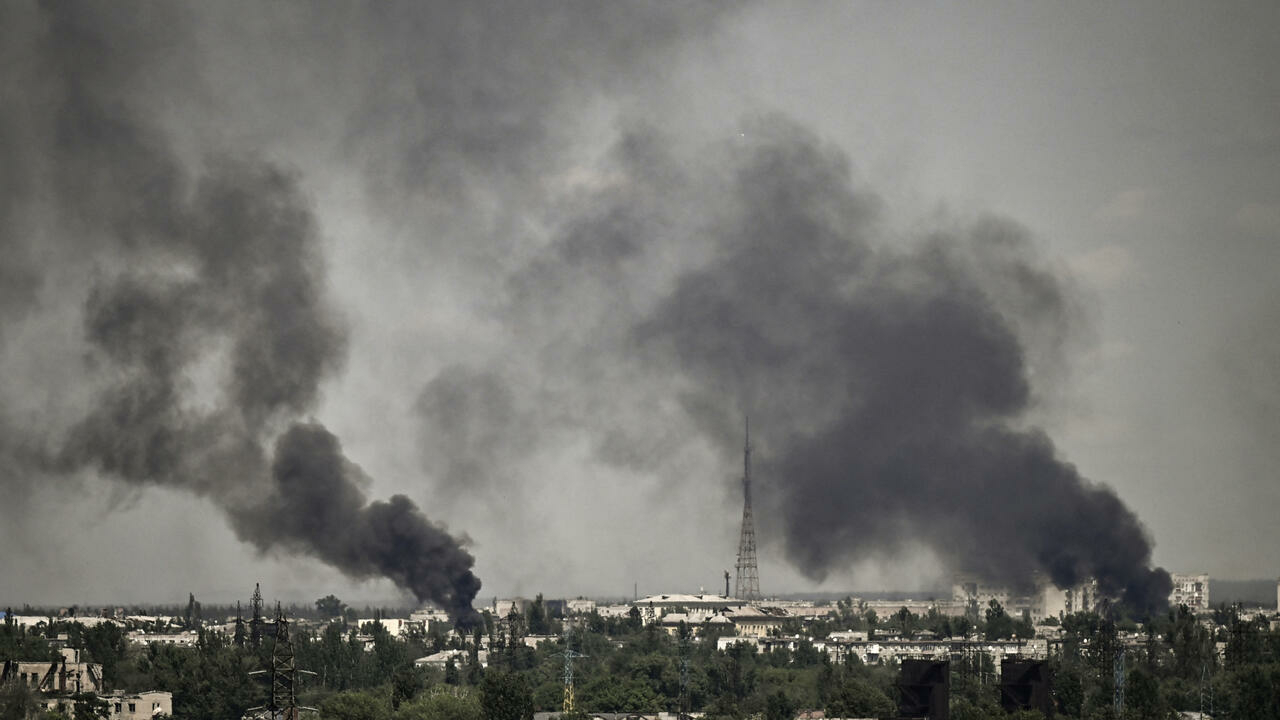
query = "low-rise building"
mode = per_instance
[
  {"x": 698, "y": 607},
  {"x": 68, "y": 674},
  {"x": 1191, "y": 590},
  {"x": 506, "y": 606},
  {"x": 580, "y": 606},
  {"x": 396, "y": 627},
  {"x": 459, "y": 657},
  {"x": 187, "y": 638},
  {"x": 139, "y": 706}
]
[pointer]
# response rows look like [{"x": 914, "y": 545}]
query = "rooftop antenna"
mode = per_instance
[{"x": 747, "y": 585}]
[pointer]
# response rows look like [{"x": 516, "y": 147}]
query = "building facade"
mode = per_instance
[{"x": 1190, "y": 590}]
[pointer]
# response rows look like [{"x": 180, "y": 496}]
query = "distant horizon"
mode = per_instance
[{"x": 1258, "y": 589}]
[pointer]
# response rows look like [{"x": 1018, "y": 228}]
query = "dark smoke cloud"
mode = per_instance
[
  {"x": 470, "y": 426},
  {"x": 315, "y": 507},
  {"x": 893, "y": 379},
  {"x": 208, "y": 317},
  {"x": 893, "y": 382},
  {"x": 647, "y": 299}
]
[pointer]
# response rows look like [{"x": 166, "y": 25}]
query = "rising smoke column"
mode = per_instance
[
  {"x": 893, "y": 375},
  {"x": 207, "y": 320},
  {"x": 895, "y": 381}
]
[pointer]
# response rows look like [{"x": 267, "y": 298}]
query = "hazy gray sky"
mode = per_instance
[{"x": 505, "y": 202}]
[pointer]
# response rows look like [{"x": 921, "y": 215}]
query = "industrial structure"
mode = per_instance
[
  {"x": 569, "y": 703},
  {"x": 282, "y": 703},
  {"x": 747, "y": 585}
]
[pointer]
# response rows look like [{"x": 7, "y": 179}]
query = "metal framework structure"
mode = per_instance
[
  {"x": 1118, "y": 682},
  {"x": 283, "y": 702},
  {"x": 569, "y": 655},
  {"x": 1206, "y": 691},
  {"x": 747, "y": 584},
  {"x": 683, "y": 711}
]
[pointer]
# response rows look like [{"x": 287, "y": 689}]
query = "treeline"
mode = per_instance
[{"x": 623, "y": 665}]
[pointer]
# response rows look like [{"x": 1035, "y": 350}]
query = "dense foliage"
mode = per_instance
[{"x": 363, "y": 673}]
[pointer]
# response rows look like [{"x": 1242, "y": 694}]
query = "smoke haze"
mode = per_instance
[{"x": 524, "y": 270}]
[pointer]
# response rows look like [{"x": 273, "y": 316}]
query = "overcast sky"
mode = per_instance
[{"x": 505, "y": 209}]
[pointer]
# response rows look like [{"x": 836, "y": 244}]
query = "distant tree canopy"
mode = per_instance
[
  {"x": 330, "y": 607},
  {"x": 628, "y": 666}
]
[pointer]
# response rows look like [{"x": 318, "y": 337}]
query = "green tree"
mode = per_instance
[
  {"x": 330, "y": 607},
  {"x": 999, "y": 626},
  {"x": 506, "y": 696},
  {"x": 88, "y": 706},
  {"x": 406, "y": 681},
  {"x": 192, "y": 617},
  {"x": 16, "y": 701},
  {"x": 106, "y": 644},
  {"x": 857, "y": 698},
  {"x": 779, "y": 707},
  {"x": 358, "y": 705},
  {"x": 536, "y": 617},
  {"x": 442, "y": 706},
  {"x": 240, "y": 634},
  {"x": 1143, "y": 700}
]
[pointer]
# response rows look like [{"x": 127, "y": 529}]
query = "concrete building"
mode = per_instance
[
  {"x": 186, "y": 638},
  {"x": 429, "y": 616},
  {"x": 1043, "y": 600},
  {"x": 885, "y": 608},
  {"x": 66, "y": 675},
  {"x": 139, "y": 706},
  {"x": 504, "y": 607},
  {"x": 31, "y": 621},
  {"x": 892, "y": 651},
  {"x": 396, "y": 627},
  {"x": 752, "y": 621},
  {"x": 1190, "y": 590},
  {"x": 699, "y": 608},
  {"x": 459, "y": 657},
  {"x": 616, "y": 611}
]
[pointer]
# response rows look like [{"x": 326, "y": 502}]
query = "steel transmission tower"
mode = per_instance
[
  {"x": 569, "y": 704},
  {"x": 747, "y": 585},
  {"x": 282, "y": 704}
]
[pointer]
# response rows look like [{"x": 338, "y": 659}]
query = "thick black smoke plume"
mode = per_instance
[
  {"x": 645, "y": 300},
  {"x": 213, "y": 333},
  {"x": 894, "y": 383},
  {"x": 892, "y": 377},
  {"x": 315, "y": 507}
]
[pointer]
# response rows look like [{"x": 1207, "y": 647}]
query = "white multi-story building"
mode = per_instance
[
  {"x": 395, "y": 627},
  {"x": 1046, "y": 599},
  {"x": 580, "y": 606},
  {"x": 698, "y": 607},
  {"x": 1190, "y": 590}
]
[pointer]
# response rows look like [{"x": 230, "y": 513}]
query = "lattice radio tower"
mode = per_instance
[{"x": 747, "y": 585}]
